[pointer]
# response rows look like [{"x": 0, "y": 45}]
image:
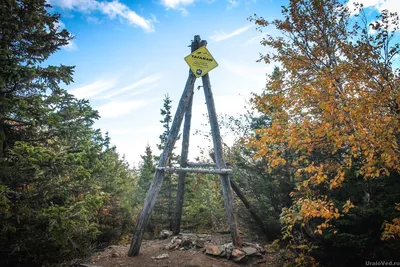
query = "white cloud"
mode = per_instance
[
  {"x": 81, "y": 5},
  {"x": 116, "y": 109},
  {"x": 183, "y": 11},
  {"x": 379, "y": 5},
  {"x": 93, "y": 89},
  {"x": 391, "y": 5},
  {"x": 254, "y": 39},
  {"x": 221, "y": 35},
  {"x": 232, "y": 3},
  {"x": 138, "y": 92},
  {"x": 154, "y": 18},
  {"x": 144, "y": 81},
  {"x": 71, "y": 46},
  {"x": 175, "y": 4},
  {"x": 93, "y": 20},
  {"x": 113, "y": 9},
  {"x": 60, "y": 25}
]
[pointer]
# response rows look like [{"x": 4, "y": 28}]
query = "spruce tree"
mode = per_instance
[
  {"x": 59, "y": 177},
  {"x": 166, "y": 194}
]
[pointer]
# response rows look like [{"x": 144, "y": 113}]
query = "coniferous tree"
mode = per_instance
[
  {"x": 59, "y": 177},
  {"x": 166, "y": 194},
  {"x": 146, "y": 173},
  {"x": 29, "y": 90}
]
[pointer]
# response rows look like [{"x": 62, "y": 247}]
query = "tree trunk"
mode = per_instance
[
  {"x": 182, "y": 175},
  {"x": 2, "y": 122},
  {"x": 170, "y": 218}
]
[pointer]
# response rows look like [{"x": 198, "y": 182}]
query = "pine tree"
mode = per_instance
[
  {"x": 146, "y": 173},
  {"x": 59, "y": 177},
  {"x": 29, "y": 90},
  {"x": 166, "y": 121},
  {"x": 166, "y": 194}
]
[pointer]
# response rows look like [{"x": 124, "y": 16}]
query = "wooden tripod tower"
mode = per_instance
[{"x": 184, "y": 109}]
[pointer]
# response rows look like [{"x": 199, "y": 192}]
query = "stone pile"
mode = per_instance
[
  {"x": 188, "y": 241},
  {"x": 247, "y": 251}
]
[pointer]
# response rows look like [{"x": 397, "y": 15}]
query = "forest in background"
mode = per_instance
[{"x": 317, "y": 153}]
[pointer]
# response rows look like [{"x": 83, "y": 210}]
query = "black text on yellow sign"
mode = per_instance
[{"x": 201, "y": 61}]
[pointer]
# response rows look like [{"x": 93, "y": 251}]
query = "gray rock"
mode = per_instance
[
  {"x": 174, "y": 239},
  {"x": 200, "y": 243},
  {"x": 164, "y": 234},
  {"x": 228, "y": 250},
  {"x": 249, "y": 250},
  {"x": 223, "y": 252},
  {"x": 162, "y": 256}
]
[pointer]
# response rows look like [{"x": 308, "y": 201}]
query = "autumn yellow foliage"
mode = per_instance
[
  {"x": 392, "y": 230},
  {"x": 333, "y": 103}
]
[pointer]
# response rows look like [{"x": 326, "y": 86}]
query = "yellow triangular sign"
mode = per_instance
[{"x": 201, "y": 61}]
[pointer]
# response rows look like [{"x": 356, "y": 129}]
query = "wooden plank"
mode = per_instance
[
  {"x": 197, "y": 170},
  {"x": 152, "y": 194},
  {"x": 176, "y": 228},
  {"x": 224, "y": 178}
]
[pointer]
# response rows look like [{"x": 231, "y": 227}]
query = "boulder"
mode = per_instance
[
  {"x": 164, "y": 234},
  {"x": 249, "y": 250},
  {"x": 213, "y": 250},
  {"x": 254, "y": 245}
]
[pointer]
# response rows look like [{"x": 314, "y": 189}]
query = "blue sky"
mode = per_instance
[{"x": 129, "y": 54}]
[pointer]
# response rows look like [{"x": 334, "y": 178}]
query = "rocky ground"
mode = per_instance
[{"x": 187, "y": 250}]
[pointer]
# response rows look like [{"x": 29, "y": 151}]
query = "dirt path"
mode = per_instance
[{"x": 116, "y": 256}]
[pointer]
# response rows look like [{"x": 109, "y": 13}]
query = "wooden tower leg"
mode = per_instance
[
  {"x": 152, "y": 194},
  {"x": 247, "y": 204},
  {"x": 182, "y": 175},
  {"x": 184, "y": 155},
  {"x": 225, "y": 182},
  {"x": 249, "y": 207}
]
